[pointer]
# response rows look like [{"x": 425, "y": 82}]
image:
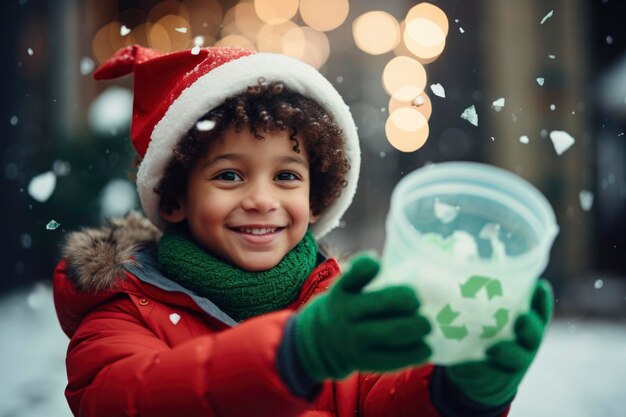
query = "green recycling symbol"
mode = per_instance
[{"x": 474, "y": 284}]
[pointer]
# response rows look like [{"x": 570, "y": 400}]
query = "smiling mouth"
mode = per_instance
[{"x": 258, "y": 231}]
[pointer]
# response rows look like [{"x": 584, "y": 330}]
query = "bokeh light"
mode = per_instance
[
  {"x": 407, "y": 129},
  {"x": 275, "y": 11},
  {"x": 424, "y": 38},
  {"x": 108, "y": 40},
  {"x": 270, "y": 37},
  {"x": 205, "y": 17},
  {"x": 167, "y": 7},
  {"x": 306, "y": 44},
  {"x": 403, "y": 71},
  {"x": 376, "y": 32},
  {"x": 158, "y": 38},
  {"x": 246, "y": 20},
  {"x": 178, "y": 39},
  {"x": 242, "y": 20},
  {"x": 421, "y": 103},
  {"x": 430, "y": 12},
  {"x": 140, "y": 34},
  {"x": 235, "y": 40},
  {"x": 324, "y": 15}
]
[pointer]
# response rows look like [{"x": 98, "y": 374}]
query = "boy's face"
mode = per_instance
[{"x": 247, "y": 201}]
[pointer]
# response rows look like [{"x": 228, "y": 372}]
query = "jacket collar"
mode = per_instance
[{"x": 145, "y": 268}]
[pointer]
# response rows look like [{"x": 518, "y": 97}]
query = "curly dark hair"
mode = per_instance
[{"x": 266, "y": 107}]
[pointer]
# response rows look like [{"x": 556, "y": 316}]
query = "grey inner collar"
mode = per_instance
[{"x": 147, "y": 270}]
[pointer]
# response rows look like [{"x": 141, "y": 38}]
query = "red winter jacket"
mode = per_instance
[{"x": 143, "y": 346}]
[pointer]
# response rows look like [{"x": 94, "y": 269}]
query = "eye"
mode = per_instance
[
  {"x": 287, "y": 176},
  {"x": 230, "y": 176}
]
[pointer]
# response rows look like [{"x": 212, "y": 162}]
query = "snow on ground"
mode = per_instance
[{"x": 579, "y": 372}]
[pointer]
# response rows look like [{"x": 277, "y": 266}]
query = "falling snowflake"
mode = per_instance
[
  {"x": 548, "y": 16},
  {"x": 118, "y": 197},
  {"x": 86, "y": 65},
  {"x": 42, "y": 186},
  {"x": 561, "y": 140},
  {"x": 52, "y": 225},
  {"x": 498, "y": 104},
  {"x": 181, "y": 30},
  {"x": 174, "y": 318},
  {"x": 124, "y": 30},
  {"x": 61, "y": 168},
  {"x": 13, "y": 120},
  {"x": 540, "y": 81},
  {"x": 470, "y": 115},
  {"x": 524, "y": 139},
  {"x": 552, "y": 107},
  {"x": 586, "y": 199},
  {"x": 598, "y": 284},
  {"x": 551, "y": 56},
  {"x": 198, "y": 40},
  {"x": 26, "y": 240},
  {"x": 609, "y": 40},
  {"x": 195, "y": 50},
  {"x": 30, "y": 51},
  {"x": 461, "y": 30},
  {"x": 418, "y": 101},
  {"x": 438, "y": 90},
  {"x": 205, "y": 125}
]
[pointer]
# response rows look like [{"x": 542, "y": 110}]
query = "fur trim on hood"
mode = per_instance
[{"x": 96, "y": 257}]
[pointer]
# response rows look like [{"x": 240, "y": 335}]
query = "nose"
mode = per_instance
[{"x": 260, "y": 197}]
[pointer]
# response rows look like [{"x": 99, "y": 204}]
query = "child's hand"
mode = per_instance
[
  {"x": 347, "y": 329},
  {"x": 494, "y": 381}
]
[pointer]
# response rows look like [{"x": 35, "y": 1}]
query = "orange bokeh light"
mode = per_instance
[
  {"x": 424, "y": 38},
  {"x": 421, "y": 103},
  {"x": 430, "y": 12},
  {"x": 407, "y": 129},
  {"x": 376, "y": 32},
  {"x": 275, "y": 11},
  {"x": 324, "y": 15},
  {"x": 403, "y": 71}
]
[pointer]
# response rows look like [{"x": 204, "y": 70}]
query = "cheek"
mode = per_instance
[{"x": 303, "y": 207}]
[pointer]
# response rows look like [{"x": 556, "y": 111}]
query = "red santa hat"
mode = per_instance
[{"x": 172, "y": 91}]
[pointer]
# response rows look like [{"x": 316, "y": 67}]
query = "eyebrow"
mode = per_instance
[{"x": 286, "y": 159}]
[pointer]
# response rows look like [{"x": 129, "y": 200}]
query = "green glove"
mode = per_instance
[
  {"x": 346, "y": 329},
  {"x": 494, "y": 381}
]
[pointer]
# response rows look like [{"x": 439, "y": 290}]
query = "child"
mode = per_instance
[{"x": 224, "y": 308}]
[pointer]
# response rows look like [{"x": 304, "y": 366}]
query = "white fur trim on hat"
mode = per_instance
[{"x": 231, "y": 78}]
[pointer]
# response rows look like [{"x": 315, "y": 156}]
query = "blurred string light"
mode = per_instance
[
  {"x": 268, "y": 26},
  {"x": 275, "y": 12},
  {"x": 376, "y": 32},
  {"x": 407, "y": 129},
  {"x": 263, "y": 25},
  {"x": 417, "y": 40},
  {"x": 324, "y": 15}
]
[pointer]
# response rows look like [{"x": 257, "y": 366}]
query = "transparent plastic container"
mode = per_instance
[{"x": 471, "y": 239}]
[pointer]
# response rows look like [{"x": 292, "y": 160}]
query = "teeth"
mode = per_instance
[{"x": 261, "y": 231}]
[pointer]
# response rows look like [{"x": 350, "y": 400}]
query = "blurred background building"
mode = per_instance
[{"x": 408, "y": 70}]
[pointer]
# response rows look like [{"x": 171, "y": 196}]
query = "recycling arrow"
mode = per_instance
[
  {"x": 475, "y": 283},
  {"x": 444, "y": 318},
  {"x": 502, "y": 318}
]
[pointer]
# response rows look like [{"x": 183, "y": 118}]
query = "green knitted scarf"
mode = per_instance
[{"x": 239, "y": 293}]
